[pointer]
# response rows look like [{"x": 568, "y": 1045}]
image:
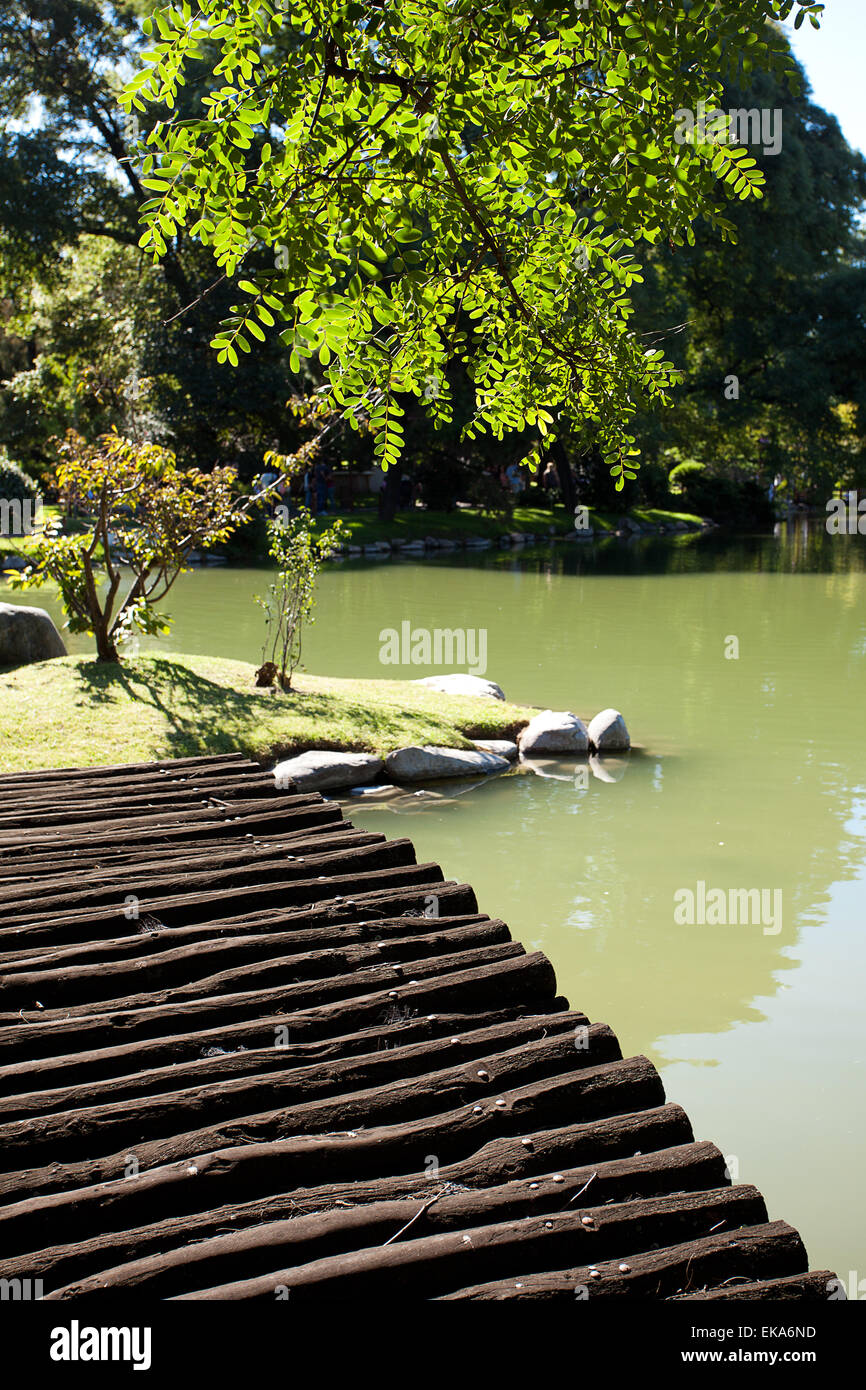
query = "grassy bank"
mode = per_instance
[
  {"x": 75, "y": 712},
  {"x": 363, "y": 526}
]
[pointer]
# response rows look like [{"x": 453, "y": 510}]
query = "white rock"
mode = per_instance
[
  {"x": 417, "y": 764},
  {"x": 608, "y": 733},
  {"x": 321, "y": 768},
  {"x": 502, "y": 747},
  {"x": 26, "y": 635},
  {"x": 458, "y": 684},
  {"x": 554, "y": 731}
]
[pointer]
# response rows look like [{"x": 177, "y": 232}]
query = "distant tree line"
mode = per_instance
[{"x": 770, "y": 333}]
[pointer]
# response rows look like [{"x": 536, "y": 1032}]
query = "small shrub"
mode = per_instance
[
  {"x": 685, "y": 475},
  {"x": 15, "y": 484}
]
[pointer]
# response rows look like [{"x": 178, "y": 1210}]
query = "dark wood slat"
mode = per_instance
[
  {"x": 429, "y": 1266},
  {"x": 257, "y": 1250},
  {"x": 94, "y": 1128},
  {"x": 251, "y": 1172},
  {"x": 771, "y": 1250},
  {"x": 517, "y": 980},
  {"x": 168, "y": 1257},
  {"x": 796, "y": 1287},
  {"x": 71, "y": 904},
  {"x": 9, "y": 780},
  {"x": 221, "y": 1065}
]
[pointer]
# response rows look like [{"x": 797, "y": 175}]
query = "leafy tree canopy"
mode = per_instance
[
  {"x": 439, "y": 179},
  {"x": 771, "y": 334}
]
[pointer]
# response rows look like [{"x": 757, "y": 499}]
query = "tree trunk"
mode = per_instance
[
  {"x": 389, "y": 494},
  {"x": 105, "y": 646}
]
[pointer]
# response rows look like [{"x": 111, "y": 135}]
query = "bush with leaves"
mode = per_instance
[
  {"x": 299, "y": 553},
  {"x": 16, "y": 491},
  {"x": 683, "y": 475},
  {"x": 141, "y": 507},
  {"x": 15, "y": 484}
]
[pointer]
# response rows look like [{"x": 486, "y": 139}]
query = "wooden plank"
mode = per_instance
[
  {"x": 11, "y": 780},
  {"x": 769, "y": 1251},
  {"x": 792, "y": 1287},
  {"x": 429, "y": 1266},
  {"x": 527, "y": 981},
  {"x": 424, "y": 1070},
  {"x": 182, "y": 908},
  {"x": 436, "y": 1032},
  {"x": 257, "y": 1249},
  {"x": 253, "y": 1173},
  {"x": 71, "y": 903},
  {"x": 176, "y": 824},
  {"x": 238, "y": 1241},
  {"x": 370, "y": 910},
  {"x": 68, "y": 807},
  {"x": 617, "y": 1085},
  {"x": 43, "y": 875}
]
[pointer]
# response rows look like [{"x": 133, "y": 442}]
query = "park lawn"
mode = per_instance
[
  {"x": 74, "y": 712},
  {"x": 364, "y": 527}
]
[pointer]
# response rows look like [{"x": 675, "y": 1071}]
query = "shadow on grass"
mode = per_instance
[{"x": 203, "y": 716}]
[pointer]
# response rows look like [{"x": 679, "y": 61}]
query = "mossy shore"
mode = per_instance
[{"x": 76, "y": 712}]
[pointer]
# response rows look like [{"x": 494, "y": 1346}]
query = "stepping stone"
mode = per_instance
[
  {"x": 458, "y": 684},
  {"x": 608, "y": 733},
  {"x": 418, "y": 764},
  {"x": 321, "y": 768},
  {"x": 554, "y": 731}
]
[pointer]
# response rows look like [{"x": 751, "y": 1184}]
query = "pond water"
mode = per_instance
[{"x": 751, "y": 774}]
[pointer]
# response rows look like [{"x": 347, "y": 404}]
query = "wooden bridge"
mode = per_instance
[{"x": 248, "y": 1051}]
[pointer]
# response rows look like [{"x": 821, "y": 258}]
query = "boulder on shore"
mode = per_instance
[
  {"x": 458, "y": 684},
  {"x": 418, "y": 764},
  {"x": 554, "y": 731},
  {"x": 27, "y": 635},
  {"x": 323, "y": 768},
  {"x": 608, "y": 732}
]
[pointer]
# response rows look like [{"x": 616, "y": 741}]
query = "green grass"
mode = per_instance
[
  {"x": 75, "y": 712},
  {"x": 364, "y": 527}
]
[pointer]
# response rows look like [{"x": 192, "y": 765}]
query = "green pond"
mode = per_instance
[{"x": 750, "y": 774}]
